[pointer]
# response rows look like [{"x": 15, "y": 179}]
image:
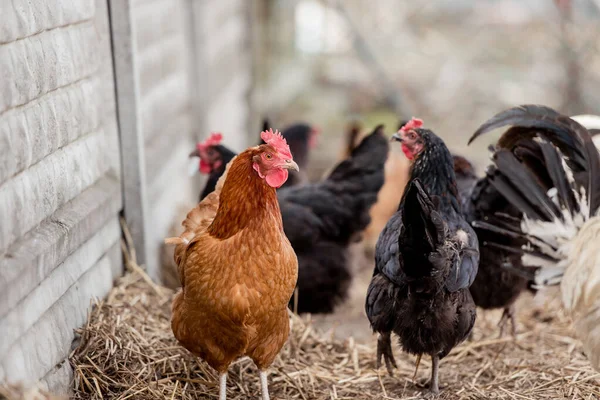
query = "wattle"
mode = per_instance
[
  {"x": 407, "y": 152},
  {"x": 205, "y": 167},
  {"x": 277, "y": 177}
]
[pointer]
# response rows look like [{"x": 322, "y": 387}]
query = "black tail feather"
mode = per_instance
[
  {"x": 557, "y": 174},
  {"x": 522, "y": 179},
  {"x": 496, "y": 229},
  {"x": 572, "y": 140},
  {"x": 533, "y": 120}
]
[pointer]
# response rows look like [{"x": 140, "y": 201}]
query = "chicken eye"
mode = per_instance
[{"x": 268, "y": 156}]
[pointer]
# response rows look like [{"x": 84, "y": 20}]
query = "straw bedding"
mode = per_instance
[{"x": 127, "y": 351}]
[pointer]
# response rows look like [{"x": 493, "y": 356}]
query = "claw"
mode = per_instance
[{"x": 384, "y": 351}]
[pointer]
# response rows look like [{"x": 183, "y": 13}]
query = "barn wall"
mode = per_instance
[
  {"x": 101, "y": 102},
  {"x": 193, "y": 66},
  {"x": 59, "y": 180}
]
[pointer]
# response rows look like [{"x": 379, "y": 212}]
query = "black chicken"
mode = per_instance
[
  {"x": 214, "y": 157},
  {"x": 426, "y": 259},
  {"x": 322, "y": 219},
  {"x": 301, "y": 138},
  {"x": 494, "y": 287}
]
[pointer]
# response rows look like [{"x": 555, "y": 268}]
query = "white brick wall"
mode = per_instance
[{"x": 59, "y": 180}]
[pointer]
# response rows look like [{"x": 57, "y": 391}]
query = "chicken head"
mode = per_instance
[{"x": 274, "y": 160}]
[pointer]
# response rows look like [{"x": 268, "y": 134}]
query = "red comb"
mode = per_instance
[
  {"x": 213, "y": 140},
  {"x": 276, "y": 140},
  {"x": 414, "y": 123}
]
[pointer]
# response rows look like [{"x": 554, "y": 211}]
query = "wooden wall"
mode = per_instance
[
  {"x": 60, "y": 190},
  {"x": 101, "y": 102}
]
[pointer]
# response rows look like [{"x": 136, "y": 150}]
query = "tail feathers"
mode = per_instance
[
  {"x": 547, "y": 167},
  {"x": 530, "y": 121},
  {"x": 351, "y": 137},
  {"x": 572, "y": 139},
  {"x": 527, "y": 186},
  {"x": 368, "y": 157},
  {"x": 353, "y": 186},
  {"x": 175, "y": 241}
]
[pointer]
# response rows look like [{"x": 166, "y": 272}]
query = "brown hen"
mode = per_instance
[{"x": 236, "y": 266}]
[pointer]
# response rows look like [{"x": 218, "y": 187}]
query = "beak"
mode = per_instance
[
  {"x": 396, "y": 137},
  {"x": 194, "y": 153},
  {"x": 290, "y": 164}
]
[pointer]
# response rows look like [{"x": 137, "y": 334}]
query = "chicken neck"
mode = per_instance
[
  {"x": 246, "y": 200},
  {"x": 435, "y": 169}
]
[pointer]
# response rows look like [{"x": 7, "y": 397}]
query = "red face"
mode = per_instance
[
  {"x": 273, "y": 166},
  {"x": 412, "y": 143},
  {"x": 210, "y": 159}
]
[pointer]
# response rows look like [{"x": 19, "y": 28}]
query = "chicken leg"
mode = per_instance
[
  {"x": 384, "y": 350},
  {"x": 508, "y": 314},
  {"x": 264, "y": 385},
  {"x": 434, "y": 385},
  {"x": 223, "y": 386}
]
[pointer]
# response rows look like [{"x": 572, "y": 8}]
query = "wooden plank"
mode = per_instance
[
  {"x": 175, "y": 144},
  {"x": 48, "y": 341},
  {"x": 35, "y": 255},
  {"x": 232, "y": 101},
  {"x": 165, "y": 101},
  {"x": 28, "y": 72},
  {"x": 107, "y": 90},
  {"x": 25, "y": 313},
  {"x": 23, "y": 19},
  {"x": 166, "y": 17},
  {"x": 161, "y": 61},
  {"x": 130, "y": 129},
  {"x": 168, "y": 212},
  {"x": 58, "y": 380},
  {"x": 37, "y": 129},
  {"x": 232, "y": 64},
  {"x": 213, "y": 15},
  {"x": 199, "y": 71},
  {"x": 39, "y": 191},
  {"x": 231, "y": 35}
]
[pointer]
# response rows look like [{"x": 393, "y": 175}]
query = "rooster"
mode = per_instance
[
  {"x": 494, "y": 287},
  {"x": 547, "y": 167},
  {"x": 237, "y": 268},
  {"x": 323, "y": 219},
  {"x": 426, "y": 258}
]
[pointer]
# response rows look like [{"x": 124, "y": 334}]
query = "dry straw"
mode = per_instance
[{"x": 127, "y": 351}]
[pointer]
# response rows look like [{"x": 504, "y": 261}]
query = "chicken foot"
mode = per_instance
[
  {"x": 223, "y": 386},
  {"x": 264, "y": 385},
  {"x": 433, "y": 384},
  {"x": 508, "y": 314},
  {"x": 384, "y": 350}
]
